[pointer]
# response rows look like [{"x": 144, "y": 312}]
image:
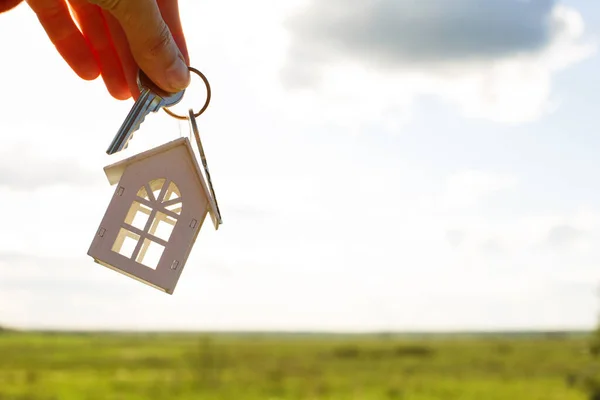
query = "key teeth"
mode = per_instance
[
  {"x": 137, "y": 126},
  {"x": 142, "y": 107},
  {"x": 134, "y": 129}
]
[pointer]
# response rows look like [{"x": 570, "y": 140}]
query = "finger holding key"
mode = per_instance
[
  {"x": 151, "y": 42},
  {"x": 151, "y": 99},
  {"x": 92, "y": 23}
]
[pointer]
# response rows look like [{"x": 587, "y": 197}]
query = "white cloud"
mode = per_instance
[
  {"x": 335, "y": 54},
  {"x": 466, "y": 188},
  {"x": 23, "y": 168}
]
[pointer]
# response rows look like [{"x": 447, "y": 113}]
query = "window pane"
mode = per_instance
[
  {"x": 150, "y": 254},
  {"x": 156, "y": 186},
  {"x": 143, "y": 194},
  {"x": 174, "y": 208},
  {"x": 162, "y": 226},
  {"x": 172, "y": 192},
  {"x": 138, "y": 215},
  {"x": 125, "y": 243}
]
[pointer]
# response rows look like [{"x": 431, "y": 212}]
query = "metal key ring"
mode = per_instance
[{"x": 208, "y": 95}]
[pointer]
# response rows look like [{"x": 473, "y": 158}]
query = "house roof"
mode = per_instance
[{"x": 115, "y": 171}]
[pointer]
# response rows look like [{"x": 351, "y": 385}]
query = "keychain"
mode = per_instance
[{"x": 161, "y": 198}]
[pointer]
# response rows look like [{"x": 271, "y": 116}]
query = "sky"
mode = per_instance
[{"x": 379, "y": 165}]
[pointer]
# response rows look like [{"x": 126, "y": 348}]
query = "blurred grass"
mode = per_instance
[{"x": 37, "y": 366}]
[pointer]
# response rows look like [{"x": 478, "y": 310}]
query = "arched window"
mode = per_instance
[{"x": 149, "y": 223}]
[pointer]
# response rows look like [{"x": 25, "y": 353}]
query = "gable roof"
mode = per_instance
[{"x": 115, "y": 171}]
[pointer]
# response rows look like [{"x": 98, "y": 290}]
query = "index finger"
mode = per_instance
[{"x": 56, "y": 20}]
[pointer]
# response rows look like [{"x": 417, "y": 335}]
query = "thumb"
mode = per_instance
[{"x": 151, "y": 42}]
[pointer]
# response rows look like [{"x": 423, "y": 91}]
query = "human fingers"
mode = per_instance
[
  {"x": 169, "y": 10},
  {"x": 6, "y": 5},
  {"x": 130, "y": 67},
  {"x": 170, "y": 13},
  {"x": 72, "y": 46},
  {"x": 151, "y": 42},
  {"x": 93, "y": 26}
]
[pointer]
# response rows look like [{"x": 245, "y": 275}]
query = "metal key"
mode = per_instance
[{"x": 152, "y": 98}]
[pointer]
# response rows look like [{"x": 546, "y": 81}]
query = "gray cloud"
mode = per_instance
[
  {"x": 22, "y": 171},
  {"x": 30, "y": 266},
  {"x": 455, "y": 237},
  {"x": 55, "y": 275},
  {"x": 562, "y": 235},
  {"x": 493, "y": 247},
  {"x": 400, "y": 32}
]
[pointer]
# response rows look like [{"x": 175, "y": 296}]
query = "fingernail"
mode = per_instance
[{"x": 178, "y": 75}]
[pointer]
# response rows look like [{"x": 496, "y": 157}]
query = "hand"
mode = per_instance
[
  {"x": 6, "y": 5},
  {"x": 117, "y": 37}
]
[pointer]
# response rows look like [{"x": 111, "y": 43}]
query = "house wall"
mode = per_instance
[{"x": 172, "y": 165}]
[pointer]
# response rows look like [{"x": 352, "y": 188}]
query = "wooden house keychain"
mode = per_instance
[{"x": 160, "y": 201}]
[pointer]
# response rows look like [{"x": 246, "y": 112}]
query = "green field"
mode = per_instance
[{"x": 36, "y": 366}]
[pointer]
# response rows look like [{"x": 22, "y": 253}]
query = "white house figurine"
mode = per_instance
[{"x": 158, "y": 207}]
